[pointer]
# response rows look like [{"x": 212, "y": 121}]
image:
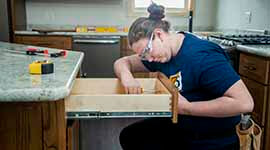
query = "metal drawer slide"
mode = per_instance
[{"x": 98, "y": 114}]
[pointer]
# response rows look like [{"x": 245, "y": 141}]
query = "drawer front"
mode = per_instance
[
  {"x": 259, "y": 94},
  {"x": 60, "y": 42},
  {"x": 253, "y": 67}
]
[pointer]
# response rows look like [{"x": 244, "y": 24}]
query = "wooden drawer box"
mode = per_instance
[
  {"x": 254, "y": 67},
  {"x": 105, "y": 98},
  {"x": 60, "y": 42}
]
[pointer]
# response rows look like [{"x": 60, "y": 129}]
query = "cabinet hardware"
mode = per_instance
[
  {"x": 98, "y": 114},
  {"x": 250, "y": 68},
  {"x": 97, "y": 41}
]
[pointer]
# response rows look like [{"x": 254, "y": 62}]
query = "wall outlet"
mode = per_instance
[
  {"x": 248, "y": 16},
  {"x": 47, "y": 15},
  {"x": 52, "y": 16}
]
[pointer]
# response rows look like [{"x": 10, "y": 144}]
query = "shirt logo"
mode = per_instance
[{"x": 177, "y": 80}]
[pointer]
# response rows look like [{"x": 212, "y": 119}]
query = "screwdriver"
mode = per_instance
[
  {"x": 61, "y": 53},
  {"x": 34, "y": 51},
  {"x": 27, "y": 52}
]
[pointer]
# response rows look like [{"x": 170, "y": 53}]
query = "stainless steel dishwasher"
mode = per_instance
[{"x": 100, "y": 52}]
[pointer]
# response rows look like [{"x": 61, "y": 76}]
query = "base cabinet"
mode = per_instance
[
  {"x": 60, "y": 42},
  {"x": 73, "y": 134},
  {"x": 32, "y": 125},
  {"x": 254, "y": 71}
]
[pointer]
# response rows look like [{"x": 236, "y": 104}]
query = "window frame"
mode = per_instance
[{"x": 189, "y": 5}]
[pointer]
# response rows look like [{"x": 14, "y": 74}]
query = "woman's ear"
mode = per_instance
[{"x": 159, "y": 33}]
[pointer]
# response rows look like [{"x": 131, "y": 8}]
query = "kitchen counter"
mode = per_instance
[
  {"x": 32, "y": 107},
  {"x": 260, "y": 50},
  {"x": 70, "y": 33},
  {"x": 17, "y": 85}
]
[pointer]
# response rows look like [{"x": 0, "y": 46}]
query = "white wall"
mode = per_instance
[
  {"x": 105, "y": 12},
  {"x": 231, "y": 14}
]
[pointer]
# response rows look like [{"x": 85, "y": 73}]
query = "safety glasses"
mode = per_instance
[{"x": 146, "y": 51}]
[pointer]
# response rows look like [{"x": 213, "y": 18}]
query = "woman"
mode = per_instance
[{"x": 211, "y": 94}]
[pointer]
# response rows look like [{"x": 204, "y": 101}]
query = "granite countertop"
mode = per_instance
[
  {"x": 70, "y": 33},
  {"x": 260, "y": 50},
  {"x": 16, "y": 84}
]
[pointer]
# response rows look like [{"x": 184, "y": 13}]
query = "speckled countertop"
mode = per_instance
[
  {"x": 16, "y": 84},
  {"x": 260, "y": 50},
  {"x": 70, "y": 33}
]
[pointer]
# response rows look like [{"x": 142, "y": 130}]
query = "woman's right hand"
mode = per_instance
[
  {"x": 131, "y": 86},
  {"x": 123, "y": 68}
]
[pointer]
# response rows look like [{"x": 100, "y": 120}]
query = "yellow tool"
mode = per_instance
[
  {"x": 81, "y": 29},
  {"x": 41, "y": 67}
]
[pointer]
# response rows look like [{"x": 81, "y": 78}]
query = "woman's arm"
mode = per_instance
[
  {"x": 128, "y": 64},
  {"x": 123, "y": 69},
  {"x": 236, "y": 100}
]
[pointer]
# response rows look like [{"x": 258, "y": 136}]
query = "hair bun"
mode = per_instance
[{"x": 156, "y": 11}]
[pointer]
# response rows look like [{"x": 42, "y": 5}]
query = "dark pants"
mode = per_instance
[{"x": 162, "y": 134}]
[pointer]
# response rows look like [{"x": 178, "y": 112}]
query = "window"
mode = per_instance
[
  {"x": 176, "y": 7},
  {"x": 168, "y": 3}
]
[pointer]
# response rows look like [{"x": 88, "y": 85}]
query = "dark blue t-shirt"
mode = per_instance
[{"x": 201, "y": 72}]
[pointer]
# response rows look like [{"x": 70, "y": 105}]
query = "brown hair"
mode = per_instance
[{"x": 144, "y": 26}]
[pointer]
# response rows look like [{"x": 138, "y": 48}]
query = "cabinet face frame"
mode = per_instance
[{"x": 106, "y": 95}]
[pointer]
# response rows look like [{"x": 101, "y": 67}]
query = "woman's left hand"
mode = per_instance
[{"x": 184, "y": 106}]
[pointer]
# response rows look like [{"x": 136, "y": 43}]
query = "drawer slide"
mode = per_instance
[{"x": 100, "y": 115}]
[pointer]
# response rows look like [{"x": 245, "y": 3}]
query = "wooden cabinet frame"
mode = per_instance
[
  {"x": 254, "y": 71},
  {"x": 32, "y": 125},
  {"x": 59, "y": 42}
]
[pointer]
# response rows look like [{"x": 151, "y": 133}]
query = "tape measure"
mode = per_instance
[{"x": 41, "y": 67}]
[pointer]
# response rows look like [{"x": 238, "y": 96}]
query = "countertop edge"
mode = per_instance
[
  {"x": 41, "y": 95},
  {"x": 69, "y": 33},
  {"x": 252, "y": 50}
]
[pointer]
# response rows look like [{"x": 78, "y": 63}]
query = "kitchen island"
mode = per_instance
[{"x": 32, "y": 108}]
